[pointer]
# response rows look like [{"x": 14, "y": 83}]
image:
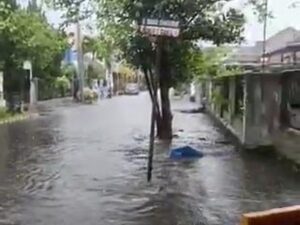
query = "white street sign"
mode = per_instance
[
  {"x": 1, "y": 82},
  {"x": 160, "y": 31},
  {"x": 161, "y": 23},
  {"x": 27, "y": 65},
  {"x": 157, "y": 27}
]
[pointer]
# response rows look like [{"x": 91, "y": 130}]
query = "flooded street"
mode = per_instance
[{"x": 86, "y": 165}]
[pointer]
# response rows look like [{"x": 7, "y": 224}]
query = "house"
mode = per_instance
[
  {"x": 283, "y": 47},
  {"x": 247, "y": 57}
]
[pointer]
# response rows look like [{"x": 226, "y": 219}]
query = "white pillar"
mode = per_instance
[
  {"x": 32, "y": 89},
  {"x": 80, "y": 59},
  {"x": 27, "y": 65},
  {"x": 2, "y": 101}
]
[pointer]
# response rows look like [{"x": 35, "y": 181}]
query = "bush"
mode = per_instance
[
  {"x": 62, "y": 84},
  {"x": 3, "y": 113},
  {"x": 89, "y": 95}
]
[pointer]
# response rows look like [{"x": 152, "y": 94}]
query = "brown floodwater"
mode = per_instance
[{"x": 86, "y": 165}]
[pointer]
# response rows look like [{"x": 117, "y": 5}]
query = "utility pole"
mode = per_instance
[
  {"x": 80, "y": 60},
  {"x": 265, "y": 34}
]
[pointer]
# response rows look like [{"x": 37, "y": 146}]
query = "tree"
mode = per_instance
[
  {"x": 26, "y": 35},
  {"x": 90, "y": 46},
  {"x": 127, "y": 73},
  {"x": 294, "y": 4},
  {"x": 260, "y": 8},
  {"x": 209, "y": 20},
  {"x": 104, "y": 47},
  {"x": 210, "y": 63},
  {"x": 62, "y": 84},
  {"x": 95, "y": 71},
  {"x": 198, "y": 20}
]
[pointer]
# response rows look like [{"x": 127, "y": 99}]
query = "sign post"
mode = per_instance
[{"x": 155, "y": 28}]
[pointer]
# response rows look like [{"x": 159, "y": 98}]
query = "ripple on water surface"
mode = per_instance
[{"x": 87, "y": 165}]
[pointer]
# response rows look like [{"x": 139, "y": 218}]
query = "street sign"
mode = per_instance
[
  {"x": 70, "y": 56},
  {"x": 156, "y": 27},
  {"x": 160, "y": 31},
  {"x": 161, "y": 23},
  {"x": 27, "y": 65}
]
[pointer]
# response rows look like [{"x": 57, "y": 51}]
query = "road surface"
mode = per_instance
[{"x": 86, "y": 165}]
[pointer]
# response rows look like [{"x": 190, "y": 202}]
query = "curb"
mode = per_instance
[
  {"x": 14, "y": 119},
  {"x": 228, "y": 131},
  {"x": 231, "y": 133}
]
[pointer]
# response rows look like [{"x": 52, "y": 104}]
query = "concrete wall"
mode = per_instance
[
  {"x": 272, "y": 92},
  {"x": 260, "y": 123},
  {"x": 252, "y": 113},
  {"x": 276, "y": 58},
  {"x": 293, "y": 85},
  {"x": 228, "y": 117}
]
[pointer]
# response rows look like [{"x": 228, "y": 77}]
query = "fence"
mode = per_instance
[{"x": 255, "y": 106}]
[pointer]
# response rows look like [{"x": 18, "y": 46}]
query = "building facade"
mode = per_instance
[{"x": 283, "y": 47}]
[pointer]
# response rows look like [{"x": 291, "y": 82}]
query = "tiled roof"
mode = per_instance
[
  {"x": 245, "y": 54},
  {"x": 282, "y": 39}
]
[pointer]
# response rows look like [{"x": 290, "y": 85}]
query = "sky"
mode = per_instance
[{"x": 284, "y": 16}]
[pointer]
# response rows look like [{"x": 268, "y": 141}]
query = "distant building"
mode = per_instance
[
  {"x": 281, "y": 48},
  {"x": 247, "y": 57},
  {"x": 284, "y": 47}
]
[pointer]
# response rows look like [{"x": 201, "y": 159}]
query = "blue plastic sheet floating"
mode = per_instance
[{"x": 185, "y": 152}]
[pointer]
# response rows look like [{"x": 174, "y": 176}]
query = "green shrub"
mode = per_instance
[
  {"x": 3, "y": 113},
  {"x": 62, "y": 84}
]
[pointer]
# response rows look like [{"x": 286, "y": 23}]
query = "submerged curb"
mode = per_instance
[{"x": 16, "y": 118}]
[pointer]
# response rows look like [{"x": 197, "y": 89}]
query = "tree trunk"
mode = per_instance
[
  {"x": 109, "y": 77},
  {"x": 158, "y": 124},
  {"x": 165, "y": 125}
]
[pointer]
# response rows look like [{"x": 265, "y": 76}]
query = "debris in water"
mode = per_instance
[
  {"x": 224, "y": 142},
  {"x": 197, "y": 110},
  {"x": 202, "y": 139},
  {"x": 175, "y": 136},
  {"x": 185, "y": 152}
]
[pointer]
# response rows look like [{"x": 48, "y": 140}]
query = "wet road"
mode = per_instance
[{"x": 86, "y": 165}]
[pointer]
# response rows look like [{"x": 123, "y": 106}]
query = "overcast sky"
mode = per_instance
[{"x": 284, "y": 16}]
